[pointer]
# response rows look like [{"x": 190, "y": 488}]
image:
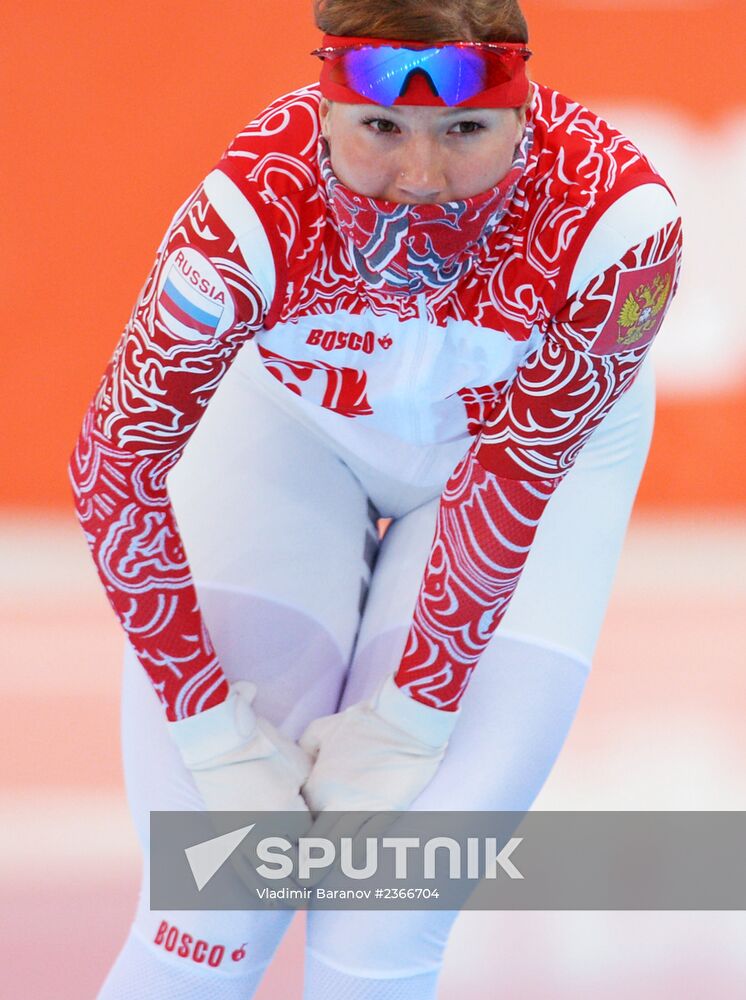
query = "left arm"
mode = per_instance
[{"x": 492, "y": 503}]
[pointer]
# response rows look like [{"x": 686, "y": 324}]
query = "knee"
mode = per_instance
[{"x": 380, "y": 944}]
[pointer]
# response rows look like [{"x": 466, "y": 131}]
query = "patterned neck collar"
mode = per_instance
[{"x": 404, "y": 249}]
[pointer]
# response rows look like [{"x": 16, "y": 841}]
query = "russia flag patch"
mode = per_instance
[{"x": 193, "y": 301}]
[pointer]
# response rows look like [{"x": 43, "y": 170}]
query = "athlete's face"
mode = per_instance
[{"x": 414, "y": 155}]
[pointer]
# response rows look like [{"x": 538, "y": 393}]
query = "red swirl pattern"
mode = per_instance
[
  {"x": 483, "y": 534},
  {"x": 564, "y": 390},
  {"x": 152, "y": 396},
  {"x": 492, "y": 504},
  {"x": 341, "y": 390}
]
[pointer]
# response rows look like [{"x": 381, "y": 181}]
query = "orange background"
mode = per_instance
[{"x": 115, "y": 111}]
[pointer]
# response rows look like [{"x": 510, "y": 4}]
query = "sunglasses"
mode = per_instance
[{"x": 457, "y": 72}]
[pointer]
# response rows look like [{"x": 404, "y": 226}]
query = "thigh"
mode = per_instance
[
  {"x": 279, "y": 536},
  {"x": 278, "y": 533}
]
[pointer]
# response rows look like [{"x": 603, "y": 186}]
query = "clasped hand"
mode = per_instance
[{"x": 375, "y": 757}]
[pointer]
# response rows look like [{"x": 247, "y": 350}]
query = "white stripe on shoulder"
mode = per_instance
[
  {"x": 631, "y": 219},
  {"x": 240, "y": 217}
]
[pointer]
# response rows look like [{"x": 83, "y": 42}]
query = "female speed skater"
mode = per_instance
[{"x": 422, "y": 289}]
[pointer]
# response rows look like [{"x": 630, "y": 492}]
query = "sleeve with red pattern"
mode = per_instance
[
  {"x": 491, "y": 506},
  {"x": 199, "y": 305}
]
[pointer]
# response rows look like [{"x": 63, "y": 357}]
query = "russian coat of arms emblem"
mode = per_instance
[{"x": 641, "y": 307}]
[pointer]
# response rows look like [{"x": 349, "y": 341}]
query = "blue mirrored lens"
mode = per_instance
[{"x": 382, "y": 73}]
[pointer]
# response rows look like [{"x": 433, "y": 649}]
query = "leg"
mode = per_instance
[
  {"x": 521, "y": 699},
  {"x": 276, "y": 531}
]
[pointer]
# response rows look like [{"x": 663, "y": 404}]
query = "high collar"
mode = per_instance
[{"x": 404, "y": 249}]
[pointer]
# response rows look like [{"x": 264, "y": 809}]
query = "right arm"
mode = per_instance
[{"x": 199, "y": 305}]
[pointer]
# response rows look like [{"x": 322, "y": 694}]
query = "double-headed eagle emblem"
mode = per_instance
[{"x": 640, "y": 309}]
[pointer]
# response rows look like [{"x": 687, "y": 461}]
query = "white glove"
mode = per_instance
[
  {"x": 241, "y": 762},
  {"x": 377, "y": 755}
]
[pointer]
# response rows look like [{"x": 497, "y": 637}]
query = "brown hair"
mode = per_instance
[{"x": 423, "y": 20}]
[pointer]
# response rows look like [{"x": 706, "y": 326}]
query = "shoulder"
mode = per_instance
[
  {"x": 266, "y": 188},
  {"x": 581, "y": 158},
  {"x": 275, "y": 154},
  {"x": 271, "y": 170},
  {"x": 602, "y": 194},
  {"x": 628, "y": 222}
]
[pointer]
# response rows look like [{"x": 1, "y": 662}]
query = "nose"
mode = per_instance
[{"x": 421, "y": 175}]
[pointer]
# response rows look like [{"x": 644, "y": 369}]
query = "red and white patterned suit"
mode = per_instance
[{"x": 385, "y": 329}]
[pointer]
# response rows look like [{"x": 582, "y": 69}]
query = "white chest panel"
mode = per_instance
[{"x": 410, "y": 371}]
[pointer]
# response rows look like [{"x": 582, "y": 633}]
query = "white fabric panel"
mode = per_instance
[
  {"x": 628, "y": 221},
  {"x": 239, "y": 216}
]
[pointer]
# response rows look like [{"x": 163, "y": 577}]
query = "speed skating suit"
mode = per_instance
[{"x": 442, "y": 365}]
